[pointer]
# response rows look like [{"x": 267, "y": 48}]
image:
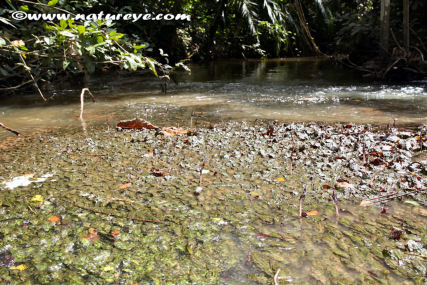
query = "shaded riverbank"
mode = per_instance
[{"x": 221, "y": 206}]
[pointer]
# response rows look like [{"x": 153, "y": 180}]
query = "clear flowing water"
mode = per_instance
[
  {"x": 64, "y": 193},
  {"x": 287, "y": 90}
]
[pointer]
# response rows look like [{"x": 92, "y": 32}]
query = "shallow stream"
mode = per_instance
[{"x": 83, "y": 203}]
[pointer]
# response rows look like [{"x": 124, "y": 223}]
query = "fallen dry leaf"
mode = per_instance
[
  {"x": 312, "y": 213},
  {"x": 92, "y": 236},
  {"x": 20, "y": 267},
  {"x": 172, "y": 131},
  {"x": 135, "y": 124},
  {"x": 395, "y": 233},
  {"x": 280, "y": 179},
  {"x": 55, "y": 219},
  {"x": 344, "y": 185},
  {"x": 126, "y": 185},
  {"x": 365, "y": 203},
  {"x": 115, "y": 234}
]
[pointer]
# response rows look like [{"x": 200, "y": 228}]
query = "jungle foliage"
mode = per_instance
[{"x": 39, "y": 51}]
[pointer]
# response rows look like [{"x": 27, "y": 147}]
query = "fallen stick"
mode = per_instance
[
  {"x": 387, "y": 197},
  {"x": 82, "y": 102},
  {"x": 28, "y": 69},
  {"x": 335, "y": 201},
  {"x": 201, "y": 173},
  {"x": 249, "y": 254},
  {"x": 414, "y": 254},
  {"x": 301, "y": 199},
  {"x": 10, "y": 130},
  {"x": 368, "y": 202},
  {"x": 276, "y": 276}
]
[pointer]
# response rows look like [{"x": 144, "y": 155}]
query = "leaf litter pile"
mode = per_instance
[{"x": 234, "y": 203}]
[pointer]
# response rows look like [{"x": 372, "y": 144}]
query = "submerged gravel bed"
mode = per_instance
[{"x": 218, "y": 206}]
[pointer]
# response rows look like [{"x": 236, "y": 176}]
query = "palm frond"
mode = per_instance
[
  {"x": 247, "y": 8},
  {"x": 274, "y": 11}
]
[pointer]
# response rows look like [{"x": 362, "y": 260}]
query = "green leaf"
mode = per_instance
[
  {"x": 47, "y": 40},
  {"x": 115, "y": 35},
  {"x": 24, "y": 8},
  {"x": 412, "y": 202},
  {"x": 52, "y": 2},
  {"x": 63, "y": 24},
  {"x": 152, "y": 66},
  {"x": 81, "y": 29},
  {"x": 91, "y": 49},
  {"x": 99, "y": 39},
  {"x": 65, "y": 64},
  {"x": 6, "y": 21},
  {"x": 67, "y": 34}
]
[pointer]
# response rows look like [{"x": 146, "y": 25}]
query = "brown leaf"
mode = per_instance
[
  {"x": 172, "y": 131},
  {"x": 395, "y": 233},
  {"x": 115, "y": 234},
  {"x": 344, "y": 185},
  {"x": 326, "y": 186},
  {"x": 55, "y": 219},
  {"x": 135, "y": 124},
  {"x": 126, "y": 185},
  {"x": 92, "y": 236},
  {"x": 312, "y": 213},
  {"x": 156, "y": 172}
]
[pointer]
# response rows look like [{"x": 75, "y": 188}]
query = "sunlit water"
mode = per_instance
[{"x": 292, "y": 90}]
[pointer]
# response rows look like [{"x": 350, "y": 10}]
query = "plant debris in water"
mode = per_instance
[{"x": 120, "y": 207}]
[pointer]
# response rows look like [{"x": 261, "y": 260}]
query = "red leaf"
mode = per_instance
[
  {"x": 135, "y": 124},
  {"x": 156, "y": 172},
  {"x": 395, "y": 233}
]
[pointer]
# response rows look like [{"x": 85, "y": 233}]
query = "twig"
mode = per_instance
[
  {"x": 28, "y": 69},
  {"x": 10, "y": 130},
  {"x": 82, "y": 100},
  {"x": 419, "y": 39},
  {"x": 249, "y": 254},
  {"x": 395, "y": 40},
  {"x": 290, "y": 164},
  {"x": 201, "y": 172},
  {"x": 368, "y": 201},
  {"x": 45, "y": 5},
  {"x": 364, "y": 153},
  {"x": 335, "y": 201},
  {"x": 414, "y": 254},
  {"x": 15, "y": 87},
  {"x": 384, "y": 74},
  {"x": 301, "y": 199},
  {"x": 387, "y": 197},
  {"x": 276, "y": 276},
  {"x": 191, "y": 119}
]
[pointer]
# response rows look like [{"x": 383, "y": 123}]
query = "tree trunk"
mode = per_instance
[
  {"x": 215, "y": 24},
  {"x": 310, "y": 43},
  {"x": 385, "y": 25},
  {"x": 406, "y": 24}
]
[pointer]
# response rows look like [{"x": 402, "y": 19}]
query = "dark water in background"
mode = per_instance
[{"x": 300, "y": 89}]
